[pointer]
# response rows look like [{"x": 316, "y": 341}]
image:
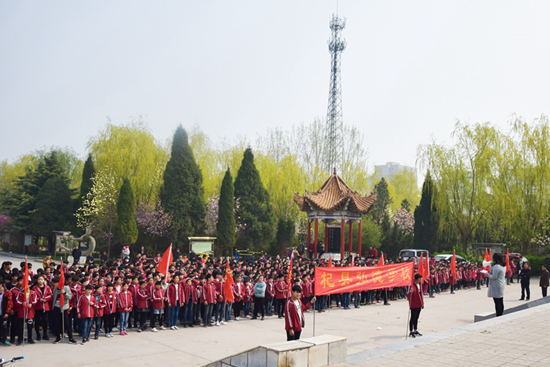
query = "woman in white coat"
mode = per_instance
[{"x": 497, "y": 283}]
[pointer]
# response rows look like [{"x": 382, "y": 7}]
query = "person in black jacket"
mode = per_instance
[
  {"x": 544, "y": 280},
  {"x": 525, "y": 276},
  {"x": 76, "y": 255}
]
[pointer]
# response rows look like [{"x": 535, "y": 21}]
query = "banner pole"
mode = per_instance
[
  {"x": 62, "y": 314},
  {"x": 313, "y": 318},
  {"x": 407, "y": 326}
]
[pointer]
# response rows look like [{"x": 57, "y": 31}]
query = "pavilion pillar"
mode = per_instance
[
  {"x": 308, "y": 236},
  {"x": 359, "y": 237},
  {"x": 326, "y": 236},
  {"x": 316, "y": 237},
  {"x": 350, "y": 236},
  {"x": 342, "y": 238}
]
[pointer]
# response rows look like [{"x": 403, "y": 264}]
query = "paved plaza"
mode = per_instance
[{"x": 366, "y": 329}]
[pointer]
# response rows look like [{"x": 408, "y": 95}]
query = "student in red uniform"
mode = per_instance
[
  {"x": 281, "y": 291},
  {"x": 174, "y": 295},
  {"x": 238, "y": 290},
  {"x": 416, "y": 304},
  {"x": 6, "y": 306},
  {"x": 158, "y": 299},
  {"x": 99, "y": 308},
  {"x": 294, "y": 314},
  {"x": 26, "y": 308},
  {"x": 190, "y": 296},
  {"x": 85, "y": 310},
  {"x": 133, "y": 290},
  {"x": 110, "y": 310},
  {"x": 142, "y": 303},
  {"x": 124, "y": 303},
  {"x": 208, "y": 298},
  {"x": 247, "y": 297},
  {"x": 219, "y": 309},
  {"x": 269, "y": 296},
  {"x": 42, "y": 308}
]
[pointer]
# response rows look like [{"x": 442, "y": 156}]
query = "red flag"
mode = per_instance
[
  {"x": 381, "y": 260},
  {"x": 227, "y": 286},
  {"x": 26, "y": 282},
  {"x": 453, "y": 266},
  {"x": 421, "y": 266},
  {"x": 165, "y": 263},
  {"x": 61, "y": 285},
  {"x": 426, "y": 268},
  {"x": 487, "y": 261},
  {"x": 289, "y": 278},
  {"x": 329, "y": 261},
  {"x": 507, "y": 261}
]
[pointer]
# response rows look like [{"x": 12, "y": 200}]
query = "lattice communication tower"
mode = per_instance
[{"x": 335, "y": 122}]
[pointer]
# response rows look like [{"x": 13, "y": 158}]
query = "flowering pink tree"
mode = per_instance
[
  {"x": 153, "y": 220},
  {"x": 404, "y": 220},
  {"x": 4, "y": 220},
  {"x": 212, "y": 209}
]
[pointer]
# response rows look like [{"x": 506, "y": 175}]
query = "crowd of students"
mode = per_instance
[{"x": 122, "y": 295}]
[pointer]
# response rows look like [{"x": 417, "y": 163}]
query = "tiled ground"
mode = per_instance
[{"x": 521, "y": 339}]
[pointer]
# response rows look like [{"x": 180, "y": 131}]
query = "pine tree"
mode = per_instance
[
  {"x": 226, "y": 216},
  {"x": 383, "y": 201},
  {"x": 126, "y": 230},
  {"x": 285, "y": 234},
  {"x": 53, "y": 210},
  {"x": 86, "y": 185},
  {"x": 20, "y": 203},
  {"x": 255, "y": 211},
  {"x": 182, "y": 194},
  {"x": 426, "y": 220}
]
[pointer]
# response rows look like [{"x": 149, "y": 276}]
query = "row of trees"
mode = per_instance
[
  {"x": 487, "y": 185},
  {"x": 135, "y": 190}
]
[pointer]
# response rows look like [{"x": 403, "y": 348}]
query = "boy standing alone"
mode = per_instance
[{"x": 294, "y": 314}]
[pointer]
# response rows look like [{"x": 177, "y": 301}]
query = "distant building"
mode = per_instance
[{"x": 389, "y": 169}]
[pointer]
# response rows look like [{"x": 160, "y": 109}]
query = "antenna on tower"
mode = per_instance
[{"x": 335, "y": 122}]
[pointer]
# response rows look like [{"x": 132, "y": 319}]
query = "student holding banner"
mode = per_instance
[{"x": 294, "y": 314}]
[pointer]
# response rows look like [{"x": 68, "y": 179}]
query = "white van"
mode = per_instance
[{"x": 415, "y": 254}]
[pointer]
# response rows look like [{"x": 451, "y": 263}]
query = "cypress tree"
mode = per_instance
[
  {"x": 54, "y": 209},
  {"x": 87, "y": 174},
  {"x": 426, "y": 221},
  {"x": 126, "y": 226},
  {"x": 182, "y": 194},
  {"x": 226, "y": 216},
  {"x": 383, "y": 201},
  {"x": 285, "y": 234},
  {"x": 255, "y": 211}
]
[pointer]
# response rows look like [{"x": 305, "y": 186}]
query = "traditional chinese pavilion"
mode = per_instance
[{"x": 336, "y": 202}]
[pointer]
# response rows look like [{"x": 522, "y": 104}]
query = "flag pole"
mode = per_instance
[
  {"x": 407, "y": 326},
  {"x": 314, "y": 318},
  {"x": 62, "y": 311},
  {"x": 26, "y": 274}
]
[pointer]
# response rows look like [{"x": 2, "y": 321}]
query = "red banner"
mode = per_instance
[{"x": 343, "y": 280}]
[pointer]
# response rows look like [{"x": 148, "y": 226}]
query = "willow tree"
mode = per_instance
[
  {"x": 131, "y": 151},
  {"x": 403, "y": 186},
  {"x": 462, "y": 173},
  {"x": 520, "y": 181}
]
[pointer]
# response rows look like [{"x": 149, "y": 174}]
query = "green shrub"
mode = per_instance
[{"x": 535, "y": 262}]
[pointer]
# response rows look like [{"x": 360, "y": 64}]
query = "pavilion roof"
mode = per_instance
[{"x": 335, "y": 195}]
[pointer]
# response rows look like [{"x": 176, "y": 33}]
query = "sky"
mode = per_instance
[{"x": 410, "y": 71}]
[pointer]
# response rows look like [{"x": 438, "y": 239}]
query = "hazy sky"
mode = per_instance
[{"x": 410, "y": 70}]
